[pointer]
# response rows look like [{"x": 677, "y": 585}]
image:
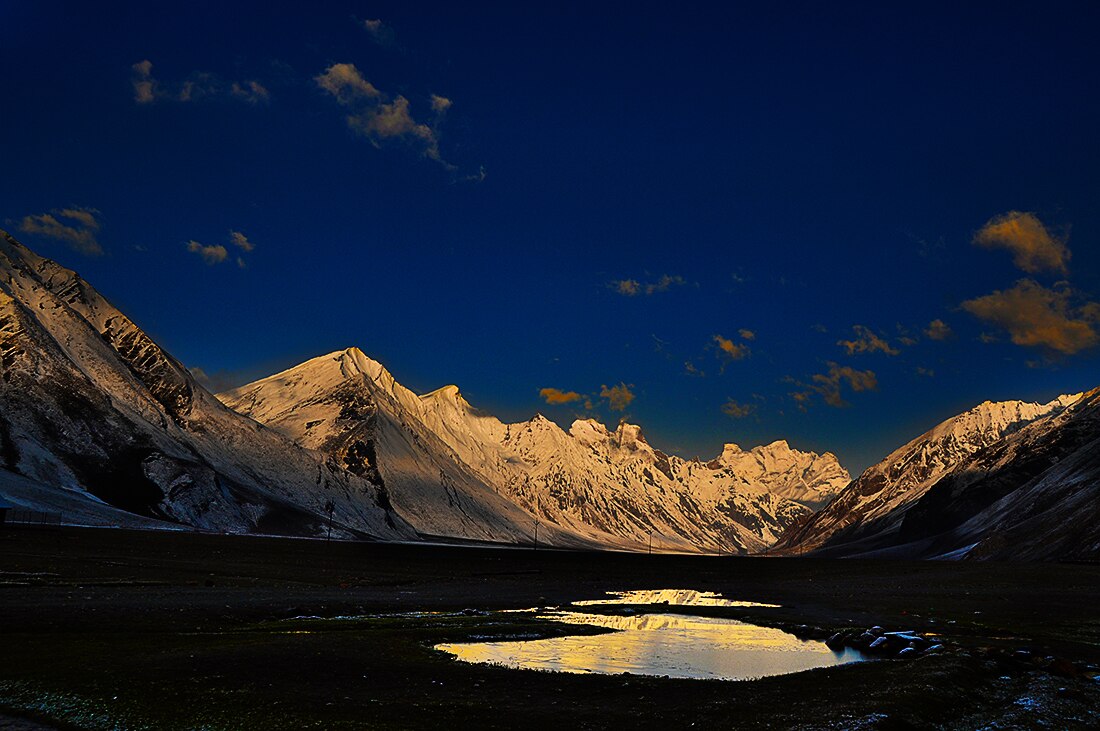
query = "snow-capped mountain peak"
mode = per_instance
[
  {"x": 881, "y": 494},
  {"x": 97, "y": 415},
  {"x": 595, "y": 484}
]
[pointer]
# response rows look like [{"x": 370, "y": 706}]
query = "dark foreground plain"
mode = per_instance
[{"x": 120, "y": 629}]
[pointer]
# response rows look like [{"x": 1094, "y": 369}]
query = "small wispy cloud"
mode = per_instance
[
  {"x": 76, "y": 226},
  {"x": 729, "y": 351},
  {"x": 556, "y": 396},
  {"x": 938, "y": 330},
  {"x": 632, "y": 287},
  {"x": 197, "y": 86},
  {"x": 626, "y": 287},
  {"x": 211, "y": 255},
  {"x": 251, "y": 91},
  {"x": 737, "y": 410},
  {"x": 380, "y": 33},
  {"x": 618, "y": 397},
  {"x": 829, "y": 386},
  {"x": 865, "y": 341},
  {"x": 380, "y": 120},
  {"x": 393, "y": 121},
  {"x": 344, "y": 82},
  {"x": 241, "y": 241},
  {"x": 692, "y": 370},
  {"x": 440, "y": 104}
]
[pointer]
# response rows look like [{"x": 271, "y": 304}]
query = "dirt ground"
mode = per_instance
[{"x": 127, "y": 629}]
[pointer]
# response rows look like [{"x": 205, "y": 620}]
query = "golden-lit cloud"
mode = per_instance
[
  {"x": 829, "y": 386},
  {"x": 632, "y": 287},
  {"x": 381, "y": 121},
  {"x": 626, "y": 287},
  {"x": 440, "y": 104},
  {"x": 746, "y": 334},
  {"x": 729, "y": 350},
  {"x": 555, "y": 396},
  {"x": 618, "y": 397},
  {"x": 1035, "y": 316},
  {"x": 736, "y": 410},
  {"x": 866, "y": 341},
  {"x": 938, "y": 330},
  {"x": 665, "y": 283},
  {"x": 393, "y": 121},
  {"x": 145, "y": 86},
  {"x": 344, "y": 82},
  {"x": 1034, "y": 249},
  {"x": 199, "y": 85},
  {"x": 77, "y": 227},
  {"x": 241, "y": 241},
  {"x": 213, "y": 254}
]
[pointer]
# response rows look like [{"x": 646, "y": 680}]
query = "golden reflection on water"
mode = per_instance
[
  {"x": 675, "y": 645},
  {"x": 677, "y": 597}
]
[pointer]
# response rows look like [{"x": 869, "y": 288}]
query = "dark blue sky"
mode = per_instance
[{"x": 789, "y": 169}]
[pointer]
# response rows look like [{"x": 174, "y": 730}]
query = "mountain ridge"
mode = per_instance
[
  {"x": 94, "y": 410},
  {"x": 561, "y": 478},
  {"x": 881, "y": 507}
]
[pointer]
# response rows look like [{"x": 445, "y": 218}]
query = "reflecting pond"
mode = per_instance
[
  {"x": 675, "y": 645},
  {"x": 672, "y": 597}
]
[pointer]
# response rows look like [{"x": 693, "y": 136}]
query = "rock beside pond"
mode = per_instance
[{"x": 877, "y": 641}]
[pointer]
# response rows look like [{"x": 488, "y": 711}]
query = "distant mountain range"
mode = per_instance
[
  {"x": 453, "y": 470},
  {"x": 100, "y": 424}
]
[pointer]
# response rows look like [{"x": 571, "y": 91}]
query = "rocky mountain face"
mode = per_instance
[
  {"x": 98, "y": 421},
  {"x": 455, "y": 471},
  {"x": 1033, "y": 495},
  {"x": 973, "y": 478}
]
